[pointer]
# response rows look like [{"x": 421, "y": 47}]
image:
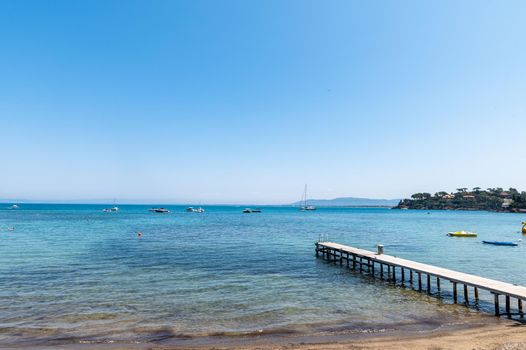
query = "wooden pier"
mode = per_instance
[{"x": 375, "y": 265}]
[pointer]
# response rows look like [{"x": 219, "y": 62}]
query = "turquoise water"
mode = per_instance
[{"x": 73, "y": 274}]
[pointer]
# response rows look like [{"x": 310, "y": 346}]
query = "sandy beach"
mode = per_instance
[{"x": 505, "y": 335}]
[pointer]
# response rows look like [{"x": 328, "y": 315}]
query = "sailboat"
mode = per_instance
[
  {"x": 114, "y": 208},
  {"x": 303, "y": 201},
  {"x": 195, "y": 210}
]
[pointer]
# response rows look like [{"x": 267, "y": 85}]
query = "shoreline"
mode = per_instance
[
  {"x": 462, "y": 209},
  {"x": 499, "y": 334}
]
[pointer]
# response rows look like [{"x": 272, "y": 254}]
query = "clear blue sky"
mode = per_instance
[{"x": 246, "y": 101}]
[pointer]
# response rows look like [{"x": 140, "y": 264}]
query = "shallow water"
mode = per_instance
[{"x": 71, "y": 273}]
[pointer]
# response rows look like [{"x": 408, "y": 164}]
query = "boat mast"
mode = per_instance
[{"x": 305, "y": 198}]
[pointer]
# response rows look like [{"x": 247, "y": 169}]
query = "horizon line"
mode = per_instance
[{"x": 103, "y": 201}]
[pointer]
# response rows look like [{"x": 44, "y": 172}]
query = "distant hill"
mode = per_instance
[{"x": 351, "y": 202}]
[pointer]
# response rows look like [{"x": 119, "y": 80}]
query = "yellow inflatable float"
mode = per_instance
[
  {"x": 462, "y": 234},
  {"x": 524, "y": 227}
]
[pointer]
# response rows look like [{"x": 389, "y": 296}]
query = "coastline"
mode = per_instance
[
  {"x": 491, "y": 335},
  {"x": 492, "y": 199},
  {"x": 463, "y": 209}
]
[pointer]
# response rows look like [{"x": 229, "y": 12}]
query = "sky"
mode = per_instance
[{"x": 248, "y": 101}]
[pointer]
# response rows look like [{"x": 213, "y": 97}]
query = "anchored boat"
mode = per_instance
[
  {"x": 462, "y": 234},
  {"x": 195, "y": 210},
  {"x": 159, "y": 210},
  {"x": 109, "y": 210},
  {"x": 304, "y": 206},
  {"x": 249, "y": 210}
]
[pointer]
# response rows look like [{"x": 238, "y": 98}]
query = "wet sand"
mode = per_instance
[{"x": 500, "y": 335}]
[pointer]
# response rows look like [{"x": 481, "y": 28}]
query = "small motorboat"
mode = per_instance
[
  {"x": 109, "y": 210},
  {"x": 501, "y": 243},
  {"x": 159, "y": 210},
  {"x": 462, "y": 234},
  {"x": 14, "y": 206},
  {"x": 308, "y": 207},
  {"x": 195, "y": 210},
  {"x": 247, "y": 210}
]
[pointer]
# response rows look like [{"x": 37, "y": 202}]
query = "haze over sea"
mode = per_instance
[{"x": 71, "y": 273}]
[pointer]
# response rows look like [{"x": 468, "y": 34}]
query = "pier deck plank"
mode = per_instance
[{"x": 493, "y": 286}]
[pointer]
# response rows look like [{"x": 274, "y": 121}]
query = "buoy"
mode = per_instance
[{"x": 139, "y": 234}]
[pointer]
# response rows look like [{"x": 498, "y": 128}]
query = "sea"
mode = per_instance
[{"x": 73, "y": 274}]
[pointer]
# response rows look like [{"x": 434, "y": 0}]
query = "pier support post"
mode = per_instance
[
  {"x": 317, "y": 250},
  {"x": 372, "y": 268},
  {"x": 497, "y": 308},
  {"x": 347, "y": 260},
  {"x": 388, "y": 272},
  {"x": 476, "y": 292},
  {"x": 394, "y": 274},
  {"x": 411, "y": 278},
  {"x": 361, "y": 264},
  {"x": 419, "y": 281},
  {"x": 519, "y": 305},
  {"x": 454, "y": 292},
  {"x": 381, "y": 271},
  {"x": 466, "y": 297},
  {"x": 438, "y": 283},
  {"x": 354, "y": 262},
  {"x": 508, "y": 306},
  {"x": 428, "y": 284},
  {"x": 403, "y": 277},
  {"x": 341, "y": 257}
]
